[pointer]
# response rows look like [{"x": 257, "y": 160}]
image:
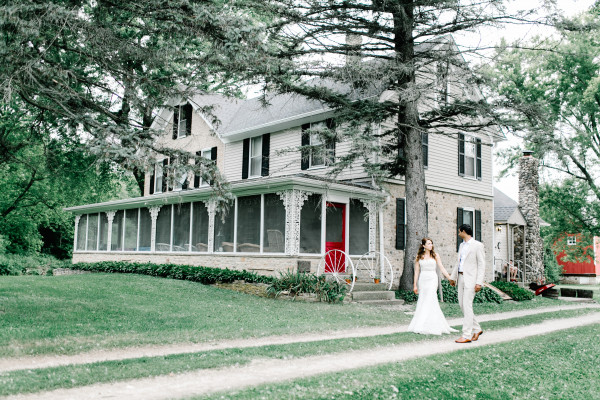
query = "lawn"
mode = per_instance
[
  {"x": 71, "y": 314},
  {"x": 560, "y": 365}
]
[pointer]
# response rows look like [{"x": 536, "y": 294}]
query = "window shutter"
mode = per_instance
[
  {"x": 213, "y": 158},
  {"x": 175, "y": 121},
  {"x": 331, "y": 142},
  {"x": 461, "y": 154},
  {"x": 304, "y": 152},
  {"x": 188, "y": 109},
  {"x": 478, "y": 225},
  {"x": 427, "y": 217},
  {"x": 425, "y": 145},
  {"x": 197, "y": 174},
  {"x": 459, "y": 222},
  {"x": 165, "y": 174},
  {"x": 266, "y": 148},
  {"x": 400, "y": 224},
  {"x": 478, "y": 161},
  {"x": 245, "y": 158},
  {"x": 151, "y": 191}
]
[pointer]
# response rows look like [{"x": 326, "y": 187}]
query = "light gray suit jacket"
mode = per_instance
[{"x": 473, "y": 266}]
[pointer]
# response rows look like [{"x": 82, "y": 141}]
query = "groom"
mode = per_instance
[{"x": 468, "y": 275}]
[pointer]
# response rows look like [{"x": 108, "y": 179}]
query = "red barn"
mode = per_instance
[{"x": 583, "y": 265}]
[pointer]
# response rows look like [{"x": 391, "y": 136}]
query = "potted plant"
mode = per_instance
[{"x": 376, "y": 280}]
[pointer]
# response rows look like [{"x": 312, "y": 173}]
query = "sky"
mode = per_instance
[{"x": 510, "y": 184}]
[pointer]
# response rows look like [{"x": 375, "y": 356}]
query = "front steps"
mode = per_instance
[{"x": 374, "y": 294}]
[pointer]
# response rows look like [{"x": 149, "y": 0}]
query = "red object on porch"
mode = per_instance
[{"x": 335, "y": 237}]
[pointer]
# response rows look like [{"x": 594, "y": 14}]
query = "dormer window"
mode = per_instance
[{"x": 182, "y": 121}]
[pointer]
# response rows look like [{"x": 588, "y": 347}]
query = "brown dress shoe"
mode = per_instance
[
  {"x": 462, "y": 340},
  {"x": 476, "y": 336}
]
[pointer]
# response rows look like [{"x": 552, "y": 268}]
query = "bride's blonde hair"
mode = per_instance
[{"x": 421, "y": 252}]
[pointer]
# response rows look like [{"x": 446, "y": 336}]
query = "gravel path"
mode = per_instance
[
  {"x": 271, "y": 371},
  {"x": 45, "y": 361}
]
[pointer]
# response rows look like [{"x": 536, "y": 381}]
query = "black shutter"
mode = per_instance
[
  {"x": 427, "y": 217},
  {"x": 425, "y": 145},
  {"x": 266, "y": 148},
  {"x": 151, "y": 191},
  {"x": 185, "y": 184},
  {"x": 478, "y": 161},
  {"x": 400, "y": 224},
  {"x": 459, "y": 222},
  {"x": 175, "y": 121},
  {"x": 461, "y": 154},
  {"x": 330, "y": 142},
  {"x": 165, "y": 174},
  {"x": 188, "y": 109},
  {"x": 197, "y": 173},
  {"x": 478, "y": 225},
  {"x": 305, "y": 152},
  {"x": 245, "y": 158},
  {"x": 213, "y": 158}
]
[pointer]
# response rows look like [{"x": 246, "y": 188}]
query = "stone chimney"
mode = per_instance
[{"x": 529, "y": 203}]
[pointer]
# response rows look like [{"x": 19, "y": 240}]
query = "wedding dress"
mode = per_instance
[{"x": 429, "y": 318}]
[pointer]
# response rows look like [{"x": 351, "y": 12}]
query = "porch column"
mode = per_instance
[
  {"x": 110, "y": 216},
  {"x": 153, "y": 215},
  {"x": 371, "y": 206},
  {"x": 293, "y": 201},
  {"x": 77, "y": 218},
  {"x": 211, "y": 207}
]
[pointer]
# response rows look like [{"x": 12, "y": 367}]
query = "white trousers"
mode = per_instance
[{"x": 465, "y": 300}]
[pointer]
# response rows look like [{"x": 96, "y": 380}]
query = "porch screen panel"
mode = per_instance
[
  {"x": 248, "y": 225},
  {"x": 116, "y": 243},
  {"x": 163, "y": 229},
  {"x": 181, "y": 227},
  {"x": 131, "y": 229},
  {"x": 81, "y": 229},
  {"x": 92, "y": 237},
  {"x": 200, "y": 227},
  {"x": 274, "y": 224},
  {"x": 310, "y": 225},
  {"x": 224, "y": 223},
  {"x": 103, "y": 242},
  {"x": 145, "y": 230},
  {"x": 359, "y": 228}
]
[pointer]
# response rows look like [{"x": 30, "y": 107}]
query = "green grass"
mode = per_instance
[
  {"x": 72, "y": 314},
  {"x": 79, "y": 375},
  {"x": 560, "y": 365}
]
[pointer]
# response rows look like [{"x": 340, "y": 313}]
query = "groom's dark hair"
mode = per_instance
[{"x": 466, "y": 228}]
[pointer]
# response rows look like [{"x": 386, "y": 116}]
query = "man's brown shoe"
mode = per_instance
[
  {"x": 476, "y": 336},
  {"x": 463, "y": 340}
]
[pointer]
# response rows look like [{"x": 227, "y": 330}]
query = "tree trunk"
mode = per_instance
[{"x": 408, "y": 119}]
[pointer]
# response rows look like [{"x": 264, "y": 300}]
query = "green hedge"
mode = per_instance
[
  {"x": 485, "y": 295},
  {"x": 204, "y": 275},
  {"x": 296, "y": 283},
  {"x": 36, "y": 264},
  {"x": 513, "y": 290}
]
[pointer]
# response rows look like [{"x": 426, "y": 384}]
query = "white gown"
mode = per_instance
[{"x": 429, "y": 318}]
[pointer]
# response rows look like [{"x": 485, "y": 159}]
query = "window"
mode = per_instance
[
  {"x": 469, "y": 156},
  {"x": 159, "y": 178},
  {"x": 181, "y": 174},
  {"x": 82, "y": 232},
  {"x": 359, "y": 228},
  {"x": 425, "y": 146},
  {"x": 92, "y": 235},
  {"x": 224, "y": 230},
  {"x": 207, "y": 154},
  {"x": 116, "y": 243},
  {"x": 471, "y": 217},
  {"x": 310, "y": 225},
  {"x": 163, "y": 229},
  {"x": 182, "y": 121},
  {"x": 442, "y": 83},
  {"x": 103, "y": 236},
  {"x": 131, "y": 230},
  {"x": 145, "y": 230},
  {"x": 400, "y": 224},
  {"x": 181, "y": 227},
  {"x": 317, "y": 151},
  {"x": 248, "y": 224},
  {"x": 199, "y": 227},
  {"x": 255, "y": 156},
  {"x": 571, "y": 240},
  {"x": 274, "y": 224}
]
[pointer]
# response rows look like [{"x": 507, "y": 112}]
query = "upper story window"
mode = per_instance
[
  {"x": 210, "y": 154},
  {"x": 442, "y": 82},
  {"x": 571, "y": 240},
  {"x": 425, "y": 146},
  {"x": 182, "y": 121},
  {"x": 469, "y": 156},
  {"x": 316, "y": 150},
  {"x": 255, "y": 157}
]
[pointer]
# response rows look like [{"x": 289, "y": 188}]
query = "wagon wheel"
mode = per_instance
[
  {"x": 370, "y": 262},
  {"x": 337, "y": 265}
]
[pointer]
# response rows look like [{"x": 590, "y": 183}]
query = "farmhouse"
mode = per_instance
[{"x": 287, "y": 212}]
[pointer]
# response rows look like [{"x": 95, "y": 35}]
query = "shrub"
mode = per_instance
[
  {"x": 36, "y": 264},
  {"x": 513, "y": 290},
  {"x": 407, "y": 295},
  {"x": 552, "y": 269},
  {"x": 204, "y": 275},
  {"x": 296, "y": 283},
  {"x": 485, "y": 295}
]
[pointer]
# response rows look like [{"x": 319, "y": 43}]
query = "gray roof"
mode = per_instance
[{"x": 504, "y": 206}]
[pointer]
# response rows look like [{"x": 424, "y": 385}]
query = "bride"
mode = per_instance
[{"x": 428, "y": 318}]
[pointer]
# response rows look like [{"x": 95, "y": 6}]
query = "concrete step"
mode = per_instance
[
  {"x": 369, "y": 287},
  {"x": 395, "y": 302},
  {"x": 372, "y": 295}
]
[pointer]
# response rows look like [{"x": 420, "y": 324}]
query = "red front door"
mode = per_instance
[{"x": 335, "y": 237}]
